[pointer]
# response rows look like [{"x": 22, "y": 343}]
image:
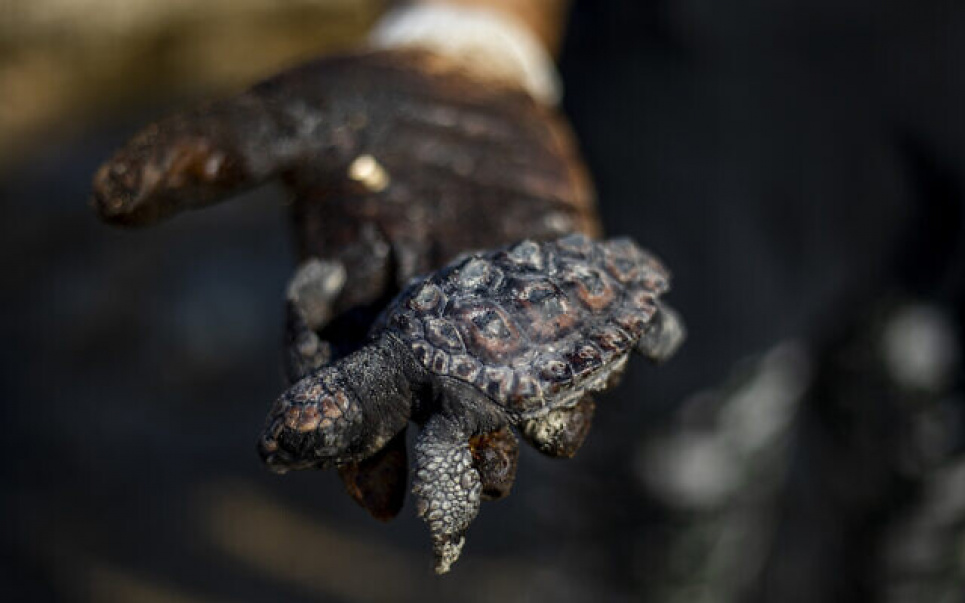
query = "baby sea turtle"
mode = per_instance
[
  {"x": 396, "y": 162},
  {"x": 521, "y": 336}
]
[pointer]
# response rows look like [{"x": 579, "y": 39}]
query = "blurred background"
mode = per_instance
[{"x": 799, "y": 165}]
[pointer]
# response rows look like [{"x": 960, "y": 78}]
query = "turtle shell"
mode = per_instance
[{"x": 535, "y": 326}]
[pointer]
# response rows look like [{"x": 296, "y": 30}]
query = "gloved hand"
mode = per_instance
[{"x": 399, "y": 160}]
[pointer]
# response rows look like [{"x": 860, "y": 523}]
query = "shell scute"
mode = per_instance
[
  {"x": 465, "y": 367},
  {"x": 584, "y": 359},
  {"x": 440, "y": 362},
  {"x": 655, "y": 282},
  {"x": 623, "y": 259},
  {"x": 630, "y": 321},
  {"x": 611, "y": 340},
  {"x": 422, "y": 351},
  {"x": 575, "y": 245},
  {"x": 442, "y": 334},
  {"x": 427, "y": 297},
  {"x": 525, "y": 255},
  {"x": 545, "y": 311},
  {"x": 497, "y": 382},
  {"x": 555, "y": 373},
  {"x": 476, "y": 273},
  {"x": 488, "y": 331},
  {"x": 644, "y": 303},
  {"x": 593, "y": 287}
]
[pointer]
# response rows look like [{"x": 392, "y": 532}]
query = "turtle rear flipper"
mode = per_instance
[
  {"x": 562, "y": 431},
  {"x": 663, "y": 336},
  {"x": 495, "y": 456}
]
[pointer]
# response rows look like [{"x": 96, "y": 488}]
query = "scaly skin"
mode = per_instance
[
  {"x": 397, "y": 162},
  {"x": 513, "y": 337}
]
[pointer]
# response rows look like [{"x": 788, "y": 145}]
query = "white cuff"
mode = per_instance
[{"x": 489, "y": 42}]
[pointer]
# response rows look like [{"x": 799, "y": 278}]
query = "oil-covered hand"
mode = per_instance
[{"x": 399, "y": 160}]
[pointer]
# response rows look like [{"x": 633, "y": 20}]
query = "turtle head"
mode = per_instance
[
  {"x": 341, "y": 413},
  {"x": 316, "y": 423}
]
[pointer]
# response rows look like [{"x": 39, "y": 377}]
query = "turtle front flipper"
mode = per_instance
[
  {"x": 447, "y": 486},
  {"x": 309, "y": 307},
  {"x": 562, "y": 431},
  {"x": 663, "y": 336},
  {"x": 378, "y": 483}
]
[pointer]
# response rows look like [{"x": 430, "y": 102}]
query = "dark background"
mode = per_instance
[{"x": 800, "y": 167}]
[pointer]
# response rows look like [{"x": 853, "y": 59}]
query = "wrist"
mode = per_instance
[
  {"x": 543, "y": 18},
  {"x": 488, "y": 43}
]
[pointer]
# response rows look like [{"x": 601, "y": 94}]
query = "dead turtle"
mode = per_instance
[
  {"x": 521, "y": 336},
  {"x": 398, "y": 162}
]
